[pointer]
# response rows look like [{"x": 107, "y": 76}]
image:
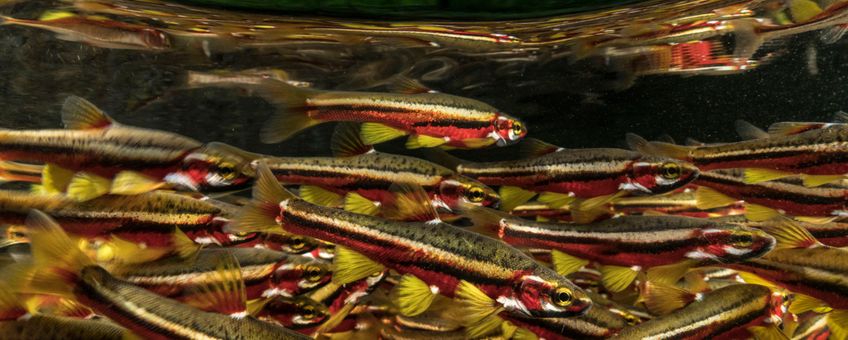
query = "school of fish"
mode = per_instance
[{"x": 112, "y": 231}]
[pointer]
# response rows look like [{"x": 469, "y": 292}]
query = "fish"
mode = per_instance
[
  {"x": 94, "y": 149},
  {"x": 266, "y": 273},
  {"x": 724, "y": 313},
  {"x": 430, "y": 36},
  {"x": 594, "y": 176},
  {"x": 55, "y": 327},
  {"x": 59, "y": 268},
  {"x": 151, "y": 218},
  {"x": 361, "y": 179},
  {"x": 447, "y": 260},
  {"x": 429, "y": 119},
  {"x": 802, "y": 265},
  {"x": 254, "y": 76},
  {"x": 678, "y": 204},
  {"x": 626, "y": 245},
  {"x": 816, "y": 155},
  {"x": 598, "y": 323},
  {"x": 296, "y": 313},
  {"x": 767, "y": 200},
  {"x": 97, "y": 31},
  {"x": 840, "y": 119}
]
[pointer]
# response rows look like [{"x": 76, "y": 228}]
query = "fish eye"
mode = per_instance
[
  {"x": 476, "y": 194},
  {"x": 631, "y": 319},
  {"x": 309, "y": 312},
  {"x": 242, "y": 233},
  {"x": 313, "y": 273},
  {"x": 227, "y": 170},
  {"x": 297, "y": 243},
  {"x": 562, "y": 297},
  {"x": 670, "y": 170},
  {"x": 741, "y": 239},
  {"x": 517, "y": 128}
]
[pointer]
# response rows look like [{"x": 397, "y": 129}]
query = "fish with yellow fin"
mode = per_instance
[
  {"x": 817, "y": 155},
  {"x": 95, "y": 155},
  {"x": 97, "y": 31},
  {"x": 59, "y": 268},
  {"x": 626, "y": 245},
  {"x": 360, "y": 179},
  {"x": 429, "y": 119},
  {"x": 586, "y": 179},
  {"x": 433, "y": 257}
]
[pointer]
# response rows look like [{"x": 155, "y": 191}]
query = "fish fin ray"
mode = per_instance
[
  {"x": 789, "y": 234},
  {"x": 85, "y": 187},
  {"x": 565, "y": 264},
  {"x": 225, "y": 291},
  {"x": 320, "y": 196},
  {"x": 757, "y": 175},
  {"x": 357, "y": 203},
  {"x": 412, "y": 295},
  {"x": 748, "y": 131},
  {"x": 351, "y": 266},
  {"x": 80, "y": 114},
  {"x": 669, "y": 274},
  {"x": 55, "y": 179},
  {"x": 555, "y": 200},
  {"x": 532, "y": 147},
  {"x": 409, "y": 203},
  {"x": 57, "y": 260},
  {"x": 347, "y": 141},
  {"x": 709, "y": 198},
  {"x": 376, "y": 133},
  {"x": 664, "y": 299},
  {"x": 133, "y": 183},
  {"x": 424, "y": 141},
  {"x": 802, "y": 303},
  {"x": 819, "y": 180},
  {"x": 616, "y": 278},
  {"x": 512, "y": 197},
  {"x": 756, "y": 212}
]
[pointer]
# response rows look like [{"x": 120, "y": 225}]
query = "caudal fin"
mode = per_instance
[
  {"x": 292, "y": 113},
  {"x": 56, "y": 258},
  {"x": 260, "y": 214}
]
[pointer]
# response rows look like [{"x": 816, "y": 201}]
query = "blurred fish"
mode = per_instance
[
  {"x": 679, "y": 204},
  {"x": 447, "y": 260},
  {"x": 431, "y": 119},
  {"x": 60, "y": 269},
  {"x": 138, "y": 159},
  {"x": 255, "y": 76},
  {"x": 725, "y": 313},
  {"x": 767, "y": 200},
  {"x": 266, "y": 273},
  {"x": 436, "y": 36},
  {"x": 815, "y": 154},
  {"x": 626, "y": 245},
  {"x": 594, "y": 176},
  {"x": 97, "y": 31},
  {"x": 361, "y": 180}
]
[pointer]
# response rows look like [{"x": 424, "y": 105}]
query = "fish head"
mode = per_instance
[
  {"x": 296, "y": 312},
  {"x": 733, "y": 243},
  {"x": 300, "y": 274},
  {"x": 547, "y": 295},
  {"x": 155, "y": 39},
  {"x": 654, "y": 175},
  {"x": 460, "y": 190},
  {"x": 508, "y": 130},
  {"x": 214, "y": 167}
]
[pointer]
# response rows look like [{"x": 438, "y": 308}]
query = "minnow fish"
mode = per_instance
[
  {"x": 296, "y": 313},
  {"x": 598, "y": 323},
  {"x": 767, "y": 200},
  {"x": 448, "y": 260},
  {"x": 430, "y": 119},
  {"x": 725, "y": 313},
  {"x": 140, "y": 159},
  {"x": 362, "y": 180},
  {"x": 266, "y": 273},
  {"x": 149, "y": 218},
  {"x": 802, "y": 265},
  {"x": 625, "y": 245},
  {"x": 431, "y": 35},
  {"x": 817, "y": 155},
  {"x": 61, "y": 269},
  {"x": 97, "y": 31},
  {"x": 597, "y": 176}
]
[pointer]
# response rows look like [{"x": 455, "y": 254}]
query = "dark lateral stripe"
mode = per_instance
[
  {"x": 821, "y": 157},
  {"x": 772, "y": 190}
]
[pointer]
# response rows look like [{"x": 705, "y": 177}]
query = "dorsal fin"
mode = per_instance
[
  {"x": 666, "y": 138},
  {"x": 532, "y": 147},
  {"x": 664, "y": 299},
  {"x": 346, "y": 141},
  {"x": 840, "y": 117},
  {"x": 789, "y": 234},
  {"x": 80, "y": 114},
  {"x": 748, "y": 131},
  {"x": 223, "y": 291},
  {"x": 407, "y": 85},
  {"x": 409, "y": 203}
]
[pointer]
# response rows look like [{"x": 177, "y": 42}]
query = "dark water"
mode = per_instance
[{"x": 573, "y": 105}]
